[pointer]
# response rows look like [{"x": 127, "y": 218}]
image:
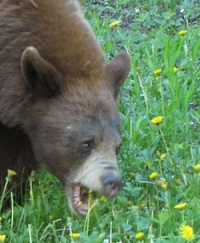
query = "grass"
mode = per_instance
[{"x": 149, "y": 32}]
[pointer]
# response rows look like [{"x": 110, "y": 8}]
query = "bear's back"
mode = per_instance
[{"x": 58, "y": 30}]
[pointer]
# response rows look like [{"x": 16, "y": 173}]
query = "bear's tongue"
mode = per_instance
[{"x": 80, "y": 200}]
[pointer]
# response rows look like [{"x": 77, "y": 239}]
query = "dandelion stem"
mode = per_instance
[
  {"x": 144, "y": 93},
  {"x": 30, "y": 233},
  {"x": 166, "y": 147},
  {"x": 91, "y": 206},
  {"x": 162, "y": 98},
  {"x": 31, "y": 190},
  {"x": 110, "y": 232},
  {"x": 4, "y": 193},
  {"x": 161, "y": 173},
  {"x": 12, "y": 211}
]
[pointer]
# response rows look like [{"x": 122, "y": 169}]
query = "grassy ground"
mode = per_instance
[{"x": 145, "y": 210}]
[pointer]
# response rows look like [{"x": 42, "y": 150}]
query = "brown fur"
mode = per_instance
[
  {"x": 47, "y": 27},
  {"x": 56, "y": 91}
]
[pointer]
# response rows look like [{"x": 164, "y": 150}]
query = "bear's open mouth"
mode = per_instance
[{"x": 80, "y": 199}]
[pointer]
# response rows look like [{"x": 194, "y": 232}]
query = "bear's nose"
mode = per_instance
[{"x": 112, "y": 183}]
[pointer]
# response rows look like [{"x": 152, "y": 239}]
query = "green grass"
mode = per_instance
[{"x": 148, "y": 31}]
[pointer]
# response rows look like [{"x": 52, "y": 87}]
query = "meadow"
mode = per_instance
[{"x": 160, "y": 157}]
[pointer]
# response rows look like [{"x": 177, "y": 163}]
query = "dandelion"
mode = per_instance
[
  {"x": 187, "y": 232},
  {"x": 163, "y": 184},
  {"x": 157, "y": 120},
  {"x": 142, "y": 205},
  {"x": 2, "y": 238},
  {"x": 153, "y": 175},
  {"x": 149, "y": 164},
  {"x": 182, "y": 32},
  {"x": 197, "y": 167},
  {"x": 178, "y": 181},
  {"x": 163, "y": 156},
  {"x": 11, "y": 173},
  {"x": 180, "y": 206},
  {"x": 175, "y": 69},
  {"x": 158, "y": 71},
  {"x": 50, "y": 217},
  {"x": 115, "y": 23},
  {"x": 129, "y": 203},
  {"x": 139, "y": 235},
  {"x": 104, "y": 199},
  {"x": 75, "y": 236},
  {"x": 132, "y": 174}
]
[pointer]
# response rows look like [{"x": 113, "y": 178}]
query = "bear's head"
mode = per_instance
[{"x": 74, "y": 125}]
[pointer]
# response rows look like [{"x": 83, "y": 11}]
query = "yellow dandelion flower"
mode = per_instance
[
  {"x": 149, "y": 164},
  {"x": 139, "y": 235},
  {"x": 75, "y": 236},
  {"x": 11, "y": 173},
  {"x": 115, "y": 23},
  {"x": 153, "y": 175},
  {"x": 187, "y": 232},
  {"x": 175, "y": 69},
  {"x": 50, "y": 217},
  {"x": 130, "y": 203},
  {"x": 182, "y": 32},
  {"x": 163, "y": 184},
  {"x": 163, "y": 156},
  {"x": 132, "y": 174},
  {"x": 180, "y": 206},
  {"x": 178, "y": 181},
  {"x": 197, "y": 167},
  {"x": 158, "y": 71},
  {"x": 157, "y": 120},
  {"x": 104, "y": 199},
  {"x": 2, "y": 238},
  {"x": 142, "y": 205}
]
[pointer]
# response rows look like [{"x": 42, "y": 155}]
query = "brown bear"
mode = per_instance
[{"x": 58, "y": 98}]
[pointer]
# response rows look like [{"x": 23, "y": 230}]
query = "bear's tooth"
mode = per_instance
[{"x": 79, "y": 204}]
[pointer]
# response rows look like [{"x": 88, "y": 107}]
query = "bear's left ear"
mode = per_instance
[
  {"x": 117, "y": 71},
  {"x": 41, "y": 77}
]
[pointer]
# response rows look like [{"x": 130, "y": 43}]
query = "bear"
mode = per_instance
[{"x": 58, "y": 99}]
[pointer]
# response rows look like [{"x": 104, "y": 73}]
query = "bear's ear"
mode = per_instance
[
  {"x": 42, "y": 78},
  {"x": 117, "y": 71}
]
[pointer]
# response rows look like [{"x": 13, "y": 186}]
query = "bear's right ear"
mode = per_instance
[{"x": 42, "y": 78}]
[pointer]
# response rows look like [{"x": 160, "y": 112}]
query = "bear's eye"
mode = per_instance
[{"x": 88, "y": 145}]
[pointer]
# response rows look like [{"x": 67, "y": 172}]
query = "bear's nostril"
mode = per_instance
[{"x": 112, "y": 183}]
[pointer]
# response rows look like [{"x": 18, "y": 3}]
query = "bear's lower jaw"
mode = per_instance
[{"x": 79, "y": 199}]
